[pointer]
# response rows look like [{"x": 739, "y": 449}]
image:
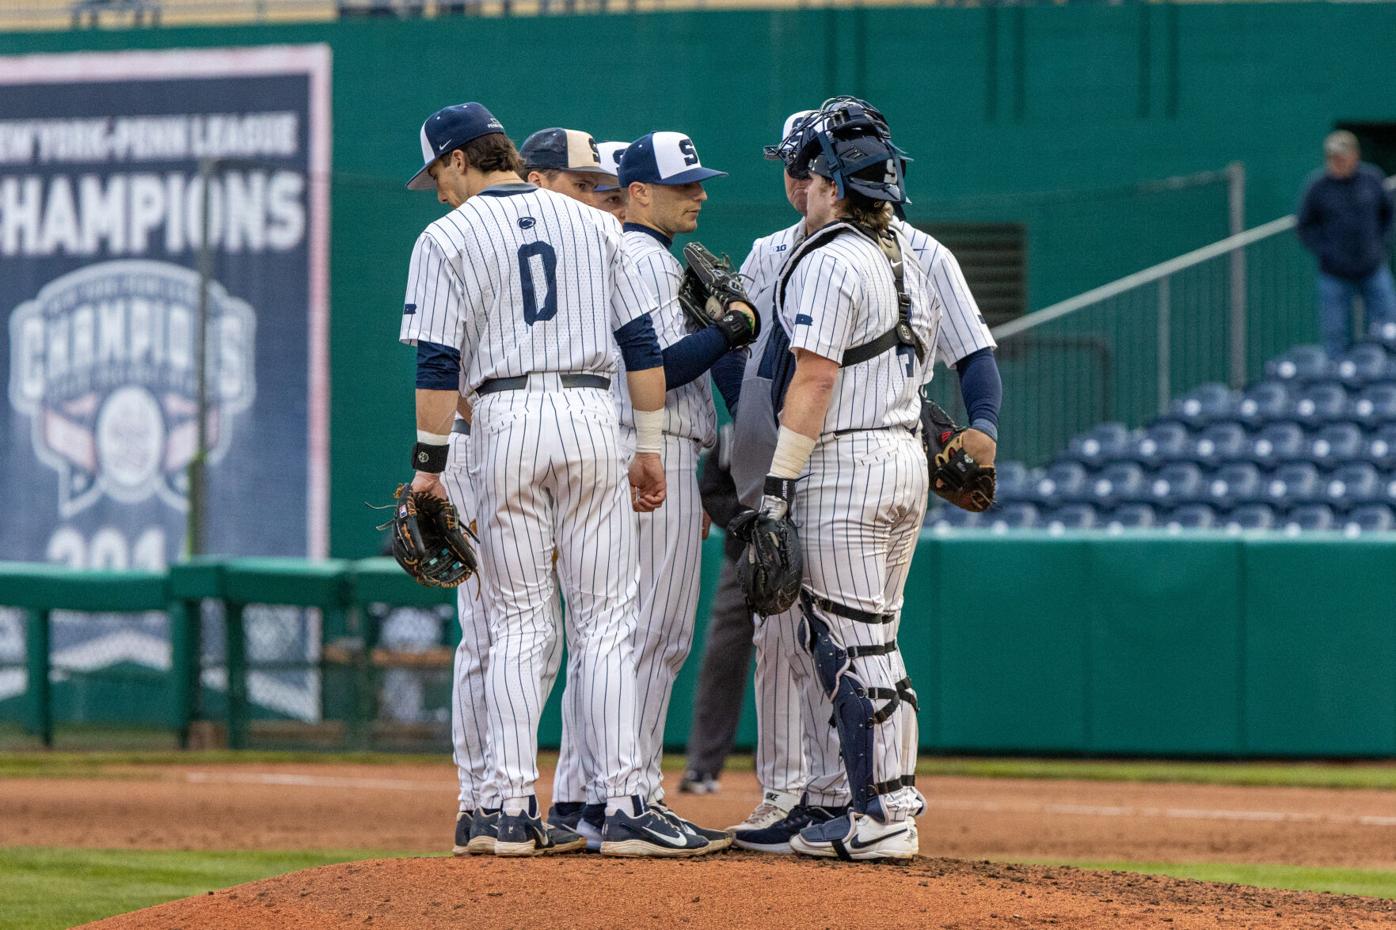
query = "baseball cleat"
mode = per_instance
[
  {"x": 718, "y": 840},
  {"x": 565, "y": 814},
  {"x": 484, "y": 828},
  {"x": 591, "y": 825},
  {"x": 648, "y": 834},
  {"x": 462, "y": 843},
  {"x": 858, "y": 837},
  {"x": 525, "y": 835},
  {"x": 697, "y": 783},
  {"x": 773, "y": 808},
  {"x": 775, "y": 837}
]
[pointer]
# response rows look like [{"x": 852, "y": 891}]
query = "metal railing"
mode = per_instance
[{"x": 1124, "y": 350}]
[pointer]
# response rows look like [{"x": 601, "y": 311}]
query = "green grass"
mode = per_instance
[
  {"x": 1370, "y": 882},
  {"x": 47, "y": 888}
]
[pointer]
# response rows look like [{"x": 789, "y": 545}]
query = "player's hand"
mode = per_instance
[
  {"x": 980, "y": 447},
  {"x": 746, "y": 309},
  {"x": 707, "y": 524},
  {"x": 431, "y": 484},
  {"x": 647, "y": 487}
]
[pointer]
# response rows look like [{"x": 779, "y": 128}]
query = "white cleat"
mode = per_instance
[
  {"x": 774, "y": 807},
  {"x": 857, "y": 837}
]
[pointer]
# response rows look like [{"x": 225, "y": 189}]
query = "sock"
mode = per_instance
[
  {"x": 628, "y": 804},
  {"x": 513, "y": 807}
]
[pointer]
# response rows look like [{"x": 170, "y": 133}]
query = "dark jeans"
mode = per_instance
[
  {"x": 717, "y": 706},
  {"x": 1335, "y": 297}
]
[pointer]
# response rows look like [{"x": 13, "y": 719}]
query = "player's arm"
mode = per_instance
[
  {"x": 981, "y": 388},
  {"x": 632, "y": 302},
  {"x": 965, "y": 340}
]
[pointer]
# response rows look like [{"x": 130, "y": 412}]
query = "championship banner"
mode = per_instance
[{"x": 102, "y": 166}]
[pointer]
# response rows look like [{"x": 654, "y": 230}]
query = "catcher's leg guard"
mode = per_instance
[{"x": 855, "y": 714}]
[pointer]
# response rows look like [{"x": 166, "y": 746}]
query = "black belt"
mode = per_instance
[
  {"x": 462, "y": 427},
  {"x": 869, "y": 429},
  {"x": 495, "y": 385}
]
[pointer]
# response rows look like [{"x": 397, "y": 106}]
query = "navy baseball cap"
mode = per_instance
[
  {"x": 610, "y": 162},
  {"x": 666, "y": 158},
  {"x": 562, "y": 150},
  {"x": 450, "y": 128}
]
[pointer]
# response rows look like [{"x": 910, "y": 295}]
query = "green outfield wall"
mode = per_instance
[{"x": 1043, "y": 116}]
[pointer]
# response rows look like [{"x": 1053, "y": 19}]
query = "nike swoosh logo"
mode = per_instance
[
  {"x": 675, "y": 838},
  {"x": 877, "y": 839}
]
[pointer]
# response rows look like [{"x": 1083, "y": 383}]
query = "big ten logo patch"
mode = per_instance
[{"x": 103, "y": 361}]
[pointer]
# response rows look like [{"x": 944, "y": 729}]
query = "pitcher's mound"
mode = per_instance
[{"x": 739, "y": 890}]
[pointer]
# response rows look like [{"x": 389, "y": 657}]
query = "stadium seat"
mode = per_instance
[
  {"x": 1204, "y": 405},
  {"x": 1190, "y": 517},
  {"x": 1375, "y": 406},
  {"x": 1318, "y": 404},
  {"x": 953, "y": 517},
  {"x": 1105, "y": 443},
  {"x": 1235, "y": 484},
  {"x": 1014, "y": 480},
  {"x": 1385, "y": 335},
  {"x": 1276, "y": 443},
  {"x": 1308, "y": 517},
  {"x": 1128, "y": 517},
  {"x": 1335, "y": 444},
  {"x": 1301, "y": 364},
  {"x": 1248, "y": 518},
  {"x": 1387, "y": 491},
  {"x": 1381, "y": 448},
  {"x": 1363, "y": 364},
  {"x": 1062, "y": 481},
  {"x": 1116, "y": 483},
  {"x": 1292, "y": 484},
  {"x": 1069, "y": 517},
  {"x": 1370, "y": 518},
  {"x": 1176, "y": 483},
  {"x": 1010, "y": 516},
  {"x": 1263, "y": 403},
  {"x": 1162, "y": 442},
  {"x": 1353, "y": 484},
  {"x": 1221, "y": 442}
]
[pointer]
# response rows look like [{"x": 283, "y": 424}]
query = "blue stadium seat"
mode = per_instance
[
  {"x": 1116, "y": 483},
  {"x": 1176, "y": 483},
  {"x": 1363, "y": 364},
  {"x": 1370, "y": 518},
  {"x": 1204, "y": 405},
  {"x": 1293, "y": 484},
  {"x": 1308, "y": 517},
  {"x": 1375, "y": 406},
  {"x": 1129, "y": 517},
  {"x": 1318, "y": 404},
  {"x": 1010, "y": 517},
  {"x": 1163, "y": 442},
  {"x": 952, "y": 517},
  {"x": 1276, "y": 443},
  {"x": 1387, "y": 491},
  {"x": 1264, "y": 403},
  {"x": 1069, "y": 517},
  {"x": 1105, "y": 443},
  {"x": 1353, "y": 484},
  {"x": 1190, "y": 517},
  {"x": 1234, "y": 484},
  {"x": 1062, "y": 481},
  {"x": 1335, "y": 444},
  {"x": 1249, "y": 517},
  {"x": 1222, "y": 442},
  {"x": 1014, "y": 480},
  {"x": 1381, "y": 448},
  {"x": 1385, "y": 335},
  {"x": 1301, "y": 364}
]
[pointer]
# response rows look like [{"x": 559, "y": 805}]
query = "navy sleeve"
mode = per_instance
[
  {"x": 727, "y": 376},
  {"x": 1307, "y": 222},
  {"x": 639, "y": 346},
  {"x": 438, "y": 367},
  {"x": 981, "y": 388},
  {"x": 692, "y": 355}
]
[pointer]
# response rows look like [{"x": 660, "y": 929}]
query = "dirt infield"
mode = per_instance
[
  {"x": 411, "y": 807},
  {"x": 742, "y": 892}
]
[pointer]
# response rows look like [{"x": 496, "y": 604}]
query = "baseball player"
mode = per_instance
[
  {"x": 608, "y": 192},
  {"x": 565, "y": 161},
  {"x": 662, "y": 178},
  {"x": 808, "y": 787},
  {"x": 521, "y": 298}
]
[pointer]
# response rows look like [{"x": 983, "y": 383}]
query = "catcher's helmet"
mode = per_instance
[{"x": 866, "y": 165}]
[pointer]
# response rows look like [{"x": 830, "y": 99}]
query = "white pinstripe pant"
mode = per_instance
[{"x": 551, "y": 477}]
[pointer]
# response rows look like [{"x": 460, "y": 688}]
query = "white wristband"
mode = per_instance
[
  {"x": 433, "y": 439},
  {"x": 649, "y": 430},
  {"x": 792, "y": 453}
]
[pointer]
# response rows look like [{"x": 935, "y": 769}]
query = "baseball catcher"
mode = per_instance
[
  {"x": 429, "y": 541},
  {"x": 707, "y": 292},
  {"x": 955, "y": 474}
]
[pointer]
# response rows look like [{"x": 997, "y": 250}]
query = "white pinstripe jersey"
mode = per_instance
[
  {"x": 842, "y": 295},
  {"x": 962, "y": 329},
  {"x": 523, "y": 280},
  {"x": 688, "y": 410}
]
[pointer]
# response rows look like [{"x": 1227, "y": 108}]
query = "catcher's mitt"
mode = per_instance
[
  {"x": 429, "y": 540},
  {"x": 706, "y": 294},
  {"x": 955, "y": 475},
  {"x": 770, "y": 566}
]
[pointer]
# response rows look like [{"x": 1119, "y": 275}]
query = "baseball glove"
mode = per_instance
[
  {"x": 955, "y": 475},
  {"x": 429, "y": 541},
  {"x": 770, "y": 566},
  {"x": 707, "y": 292}
]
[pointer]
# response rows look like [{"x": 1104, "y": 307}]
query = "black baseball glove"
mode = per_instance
[
  {"x": 707, "y": 292},
  {"x": 429, "y": 541},
  {"x": 770, "y": 567},
  {"x": 955, "y": 475}
]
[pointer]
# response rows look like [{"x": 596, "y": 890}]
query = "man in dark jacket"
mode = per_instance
[{"x": 1344, "y": 219}]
